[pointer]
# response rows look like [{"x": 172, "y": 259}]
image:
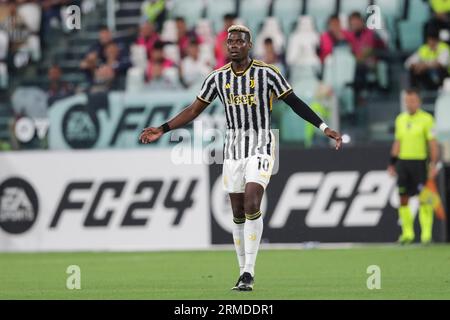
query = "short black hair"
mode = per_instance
[
  {"x": 158, "y": 45},
  {"x": 268, "y": 41},
  {"x": 332, "y": 17},
  {"x": 229, "y": 16},
  {"x": 180, "y": 18},
  {"x": 356, "y": 14},
  {"x": 413, "y": 90},
  {"x": 433, "y": 33}
]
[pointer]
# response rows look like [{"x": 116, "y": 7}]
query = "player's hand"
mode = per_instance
[
  {"x": 391, "y": 170},
  {"x": 150, "y": 135},
  {"x": 335, "y": 136}
]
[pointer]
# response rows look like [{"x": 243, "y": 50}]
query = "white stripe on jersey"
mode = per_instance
[{"x": 246, "y": 98}]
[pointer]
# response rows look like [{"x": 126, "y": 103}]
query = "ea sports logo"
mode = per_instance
[
  {"x": 18, "y": 206},
  {"x": 80, "y": 127}
]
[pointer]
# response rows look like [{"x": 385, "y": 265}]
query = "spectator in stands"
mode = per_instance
[
  {"x": 57, "y": 88},
  {"x": 154, "y": 11},
  {"x": 96, "y": 54},
  {"x": 220, "y": 46},
  {"x": 157, "y": 56},
  {"x": 89, "y": 65},
  {"x": 147, "y": 37},
  {"x": 366, "y": 46},
  {"x": 270, "y": 55},
  {"x": 162, "y": 78},
  {"x": 334, "y": 36},
  {"x": 193, "y": 69},
  {"x": 184, "y": 36},
  {"x": 105, "y": 37},
  {"x": 428, "y": 66},
  {"x": 118, "y": 61},
  {"x": 24, "y": 44},
  {"x": 440, "y": 19},
  {"x": 51, "y": 13},
  {"x": 103, "y": 79}
]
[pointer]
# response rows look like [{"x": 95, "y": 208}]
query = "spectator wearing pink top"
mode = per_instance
[
  {"x": 185, "y": 36},
  {"x": 220, "y": 46},
  {"x": 366, "y": 46},
  {"x": 157, "y": 55},
  {"x": 147, "y": 37},
  {"x": 334, "y": 36}
]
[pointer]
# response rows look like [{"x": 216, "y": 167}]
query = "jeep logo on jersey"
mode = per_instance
[
  {"x": 80, "y": 127},
  {"x": 18, "y": 206}
]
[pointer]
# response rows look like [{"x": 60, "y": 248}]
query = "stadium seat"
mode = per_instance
[
  {"x": 254, "y": 12},
  {"x": 205, "y": 30},
  {"x": 349, "y": 6},
  {"x": 217, "y": 9},
  {"x": 306, "y": 87},
  {"x": 190, "y": 10},
  {"x": 4, "y": 44},
  {"x": 441, "y": 115},
  {"x": 270, "y": 29},
  {"x": 4, "y": 78},
  {"x": 320, "y": 10},
  {"x": 389, "y": 8},
  {"x": 292, "y": 129},
  {"x": 287, "y": 13},
  {"x": 135, "y": 79},
  {"x": 343, "y": 19},
  {"x": 207, "y": 53},
  {"x": 305, "y": 24},
  {"x": 339, "y": 73},
  {"x": 31, "y": 15},
  {"x": 410, "y": 41},
  {"x": 172, "y": 52},
  {"x": 138, "y": 56},
  {"x": 169, "y": 31},
  {"x": 302, "y": 44},
  {"x": 418, "y": 10},
  {"x": 302, "y": 72}
]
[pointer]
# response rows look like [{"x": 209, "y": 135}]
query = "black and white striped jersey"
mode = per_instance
[{"x": 247, "y": 97}]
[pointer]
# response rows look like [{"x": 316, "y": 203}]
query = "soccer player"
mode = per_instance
[
  {"x": 246, "y": 88},
  {"x": 413, "y": 138}
]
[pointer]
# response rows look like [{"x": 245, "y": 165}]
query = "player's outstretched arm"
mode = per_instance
[
  {"x": 305, "y": 112},
  {"x": 187, "y": 115}
]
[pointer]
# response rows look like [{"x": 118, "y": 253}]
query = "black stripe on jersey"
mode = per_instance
[
  {"x": 262, "y": 81},
  {"x": 221, "y": 97},
  {"x": 237, "y": 111}
]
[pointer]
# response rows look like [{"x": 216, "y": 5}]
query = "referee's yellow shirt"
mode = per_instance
[{"x": 413, "y": 132}]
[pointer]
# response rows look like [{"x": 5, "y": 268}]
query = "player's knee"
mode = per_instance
[
  {"x": 404, "y": 200},
  {"x": 251, "y": 206},
  {"x": 238, "y": 210}
]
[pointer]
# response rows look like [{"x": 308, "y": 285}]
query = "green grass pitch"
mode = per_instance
[{"x": 413, "y": 272}]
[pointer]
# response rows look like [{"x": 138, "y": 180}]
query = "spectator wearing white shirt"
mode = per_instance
[
  {"x": 428, "y": 66},
  {"x": 193, "y": 68}
]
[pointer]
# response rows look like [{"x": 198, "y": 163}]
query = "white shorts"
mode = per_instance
[{"x": 236, "y": 173}]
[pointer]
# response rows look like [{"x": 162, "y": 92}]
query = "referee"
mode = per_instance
[{"x": 414, "y": 156}]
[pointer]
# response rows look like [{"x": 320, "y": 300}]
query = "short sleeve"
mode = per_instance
[
  {"x": 278, "y": 84},
  {"x": 397, "y": 129},
  {"x": 429, "y": 128},
  {"x": 208, "y": 92}
]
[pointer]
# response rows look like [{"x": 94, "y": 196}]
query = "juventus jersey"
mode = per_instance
[{"x": 247, "y": 98}]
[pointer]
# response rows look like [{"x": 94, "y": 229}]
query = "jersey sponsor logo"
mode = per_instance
[{"x": 245, "y": 99}]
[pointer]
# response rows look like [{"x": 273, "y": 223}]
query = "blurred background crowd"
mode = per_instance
[{"x": 340, "y": 53}]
